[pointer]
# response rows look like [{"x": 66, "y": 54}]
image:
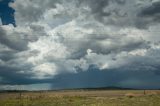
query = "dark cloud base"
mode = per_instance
[
  {"x": 107, "y": 78},
  {"x": 88, "y": 79}
]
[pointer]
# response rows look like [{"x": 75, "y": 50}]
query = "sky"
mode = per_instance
[
  {"x": 61, "y": 44},
  {"x": 6, "y": 12}
]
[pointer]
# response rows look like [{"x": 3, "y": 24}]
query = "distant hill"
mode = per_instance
[
  {"x": 85, "y": 89},
  {"x": 101, "y": 88}
]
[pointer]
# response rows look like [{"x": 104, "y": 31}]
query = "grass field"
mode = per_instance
[{"x": 82, "y": 98}]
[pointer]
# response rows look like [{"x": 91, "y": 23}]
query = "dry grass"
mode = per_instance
[
  {"x": 82, "y": 98},
  {"x": 130, "y": 95}
]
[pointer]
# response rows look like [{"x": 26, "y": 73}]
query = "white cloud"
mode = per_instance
[
  {"x": 44, "y": 70},
  {"x": 138, "y": 52}
]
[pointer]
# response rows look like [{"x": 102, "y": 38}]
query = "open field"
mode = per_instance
[{"x": 82, "y": 98}]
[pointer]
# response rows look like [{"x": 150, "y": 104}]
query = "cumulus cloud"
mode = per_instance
[{"x": 56, "y": 37}]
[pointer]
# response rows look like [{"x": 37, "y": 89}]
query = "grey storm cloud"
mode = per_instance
[
  {"x": 12, "y": 41},
  {"x": 59, "y": 41},
  {"x": 150, "y": 14},
  {"x": 151, "y": 10}
]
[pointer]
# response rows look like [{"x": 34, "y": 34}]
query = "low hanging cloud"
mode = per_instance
[{"x": 57, "y": 37}]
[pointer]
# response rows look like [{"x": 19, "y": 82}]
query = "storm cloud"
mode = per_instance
[{"x": 58, "y": 41}]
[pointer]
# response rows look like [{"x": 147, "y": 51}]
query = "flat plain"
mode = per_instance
[{"x": 82, "y": 98}]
